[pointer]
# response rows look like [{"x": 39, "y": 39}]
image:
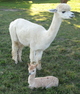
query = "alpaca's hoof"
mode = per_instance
[
  {"x": 39, "y": 67},
  {"x": 20, "y": 61},
  {"x": 16, "y": 62}
]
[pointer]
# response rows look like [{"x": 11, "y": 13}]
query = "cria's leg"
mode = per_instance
[
  {"x": 31, "y": 87},
  {"x": 49, "y": 85},
  {"x": 15, "y": 51},
  {"x": 20, "y": 52}
]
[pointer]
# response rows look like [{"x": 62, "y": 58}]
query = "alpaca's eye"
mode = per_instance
[
  {"x": 33, "y": 70},
  {"x": 63, "y": 11}
]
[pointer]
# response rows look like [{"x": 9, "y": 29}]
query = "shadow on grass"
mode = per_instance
[
  {"x": 15, "y": 5},
  {"x": 24, "y": 3},
  {"x": 46, "y": 1},
  {"x": 45, "y": 18}
]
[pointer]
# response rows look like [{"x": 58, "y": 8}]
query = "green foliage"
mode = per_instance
[
  {"x": 35, "y": 1},
  {"x": 10, "y": 0},
  {"x": 61, "y": 59}
]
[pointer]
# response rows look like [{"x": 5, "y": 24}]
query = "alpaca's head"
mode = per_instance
[
  {"x": 32, "y": 69},
  {"x": 63, "y": 11}
]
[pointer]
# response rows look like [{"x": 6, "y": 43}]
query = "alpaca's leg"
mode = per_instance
[
  {"x": 15, "y": 51},
  {"x": 38, "y": 59},
  {"x": 39, "y": 65},
  {"x": 32, "y": 56},
  {"x": 20, "y": 52}
]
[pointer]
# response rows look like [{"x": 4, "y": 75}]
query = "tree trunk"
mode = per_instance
[{"x": 64, "y": 1}]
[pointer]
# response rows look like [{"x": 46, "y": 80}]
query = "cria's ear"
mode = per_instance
[{"x": 53, "y": 10}]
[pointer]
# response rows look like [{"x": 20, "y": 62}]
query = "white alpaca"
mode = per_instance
[
  {"x": 44, "y": 82},
  {"x": 25, "y": 33}
]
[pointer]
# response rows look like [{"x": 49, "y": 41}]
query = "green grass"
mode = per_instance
[
  {"x": 61, "y": 59},
  {"x": 39, "y": 4}
]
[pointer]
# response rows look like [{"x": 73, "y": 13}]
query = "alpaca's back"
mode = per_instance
[{"x": 25, "y": 31}]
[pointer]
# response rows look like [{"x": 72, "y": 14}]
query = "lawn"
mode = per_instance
[{"x": 61, "y": 59}]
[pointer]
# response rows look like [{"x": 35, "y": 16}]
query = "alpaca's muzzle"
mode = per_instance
[{"x": 29, "y": 74}]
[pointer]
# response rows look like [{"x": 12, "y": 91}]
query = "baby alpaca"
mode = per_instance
[{"x": 44, "y": 82}]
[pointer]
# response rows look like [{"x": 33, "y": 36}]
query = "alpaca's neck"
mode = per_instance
[
  {"x": 31, "y": 78},
  {"x": 54, "y": 27}
]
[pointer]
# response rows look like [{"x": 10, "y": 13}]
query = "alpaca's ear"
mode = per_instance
[{"x": 53, "y": 10}]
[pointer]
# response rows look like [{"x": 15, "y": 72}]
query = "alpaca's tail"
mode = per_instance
[{"x": 12, "y": 30}]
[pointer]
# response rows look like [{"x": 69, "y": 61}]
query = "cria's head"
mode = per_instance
[
  {"x": 63, "y": 11},
  {"x": 32, "y": 69}
]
